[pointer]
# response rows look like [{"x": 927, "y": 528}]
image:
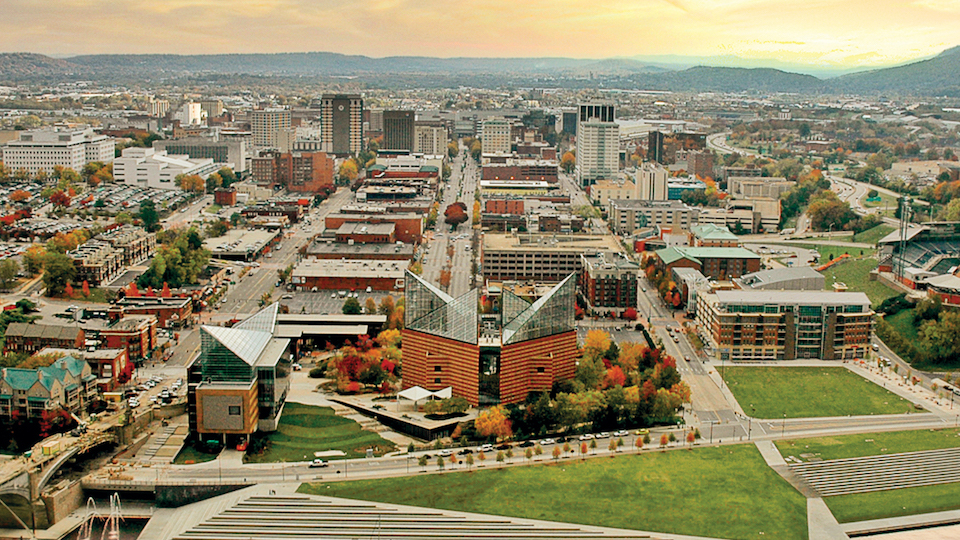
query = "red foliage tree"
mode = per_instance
[
  {"x": 86, "y": 288},
  {"x": 614, "y": 377},
  {"x": 353, "y": 386},
  {"x": 165, "y": 292},
  {"x": 68, "y": 291},
  {"x": 59, "y": 198},
  {"x": 630, "y": 314},
  {"x": 132, "y": 290},
  {"x": 387, "y": 366},
  {"x": 676, "y": 299}
]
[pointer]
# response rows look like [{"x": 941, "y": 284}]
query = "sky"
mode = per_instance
[{"x": 826, "y": 33}]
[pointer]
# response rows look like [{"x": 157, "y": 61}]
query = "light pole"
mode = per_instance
[{"x": 783, "y": 427}]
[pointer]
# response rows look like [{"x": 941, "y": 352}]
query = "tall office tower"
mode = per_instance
[
  {"x": 267, "y": 124},
  {"x": 495, "y": 136},
  {"x": 655, "y": 146},
  {"x": 598, "y": 143},
  {"x": 430, "y": 138},
  {"x": 398, "y": 130},
  {"x": 651, "y": 181},
  {"x": 341, "y": 123}
]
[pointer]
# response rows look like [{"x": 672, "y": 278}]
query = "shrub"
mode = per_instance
[{"x": 317, "y": 373}]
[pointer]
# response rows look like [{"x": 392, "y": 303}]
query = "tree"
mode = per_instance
[
  {"x": 227, "y": 176},
  {"x": 58, "y": 272},
  {"x": 583, "y": 449},
  {"x": 8, "y": 272},
  {"x": 593, "y": 445},
  {"x": 556, "y": 453},
  {"x": 612, "y": 447},
  {"x": 691, "y": 438},
  {"x": 123, "y": 218},
  {"x": 59, "y": 199},
  {"x": 348, "y": 171},
  {"x": 639, "y": 443},
  {"x": 469, "y": 460},
  {"x": 501, "y": 457},
  {"x": 440, "y": 462},
  {"x": 351, "y": 306},
  {"x": 33, "y": 259},
  {"x": 568, "y": 162},
  {"x": 149, "y": 216},
  {"x": 190, "y": 182},
  {"x": 664, "y": 440},
  {"x": 371, "y": 306},
  {"x": 528, "y": 453},
  {"x": 213, "y": 182},
  {"x": 422, "y": 461},
  {"x": 493, "y": 422}
]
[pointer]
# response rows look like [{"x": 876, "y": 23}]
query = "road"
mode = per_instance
[{"x": 718, "y": 142}]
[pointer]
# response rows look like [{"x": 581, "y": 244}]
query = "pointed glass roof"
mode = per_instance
[
  {"x": 246, "y": 344},
  {"x": 264, "y": 320},
  {"x": 551, "y": 314},
  {"x": 428, "y": 309}
]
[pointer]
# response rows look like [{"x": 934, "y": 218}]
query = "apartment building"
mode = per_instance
[
  {"x": 786, "y": 325},
  {"x": 97, "y": 262},
  {"x": 267, "y": 125},
  {"x": 29, "y": 338},
  {"x": 537, "y": 257},
  {"x": 302, "y": 172},
  {"x": 495, "y": 136},
  {"x": 66, "y": 384},
  {"x": 608, "y": 282}
]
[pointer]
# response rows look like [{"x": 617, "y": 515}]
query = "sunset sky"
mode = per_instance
[{"x": 841, "y": 33}]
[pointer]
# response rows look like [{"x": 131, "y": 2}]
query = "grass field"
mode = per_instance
[
  {"x": 189, "y": 453},
  {"x": 803, "y": 392},
  {"x": 887, "y": 205},
  {"x": 706, "y": 492},
  {"x": 871, "y": 444},
  {"x": 213, "y": 209},
  {"x": 903, "y": 323},
  {"x": 872, "y": 236},
  {"x": 895, "y": 502},
  {"x": 305, "y": 429},
  {"x": 856, "y": 275},
  {"x": 826, "y": 251}
]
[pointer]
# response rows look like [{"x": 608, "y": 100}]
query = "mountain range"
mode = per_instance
[{"x": 934, "y": 76}]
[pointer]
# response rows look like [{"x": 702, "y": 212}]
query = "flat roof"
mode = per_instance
[
  {"x": 823, "y": 298},
  {"x": 360, "y": 268},
  {"x": 299, "y": 330},
  {"x": 547, "y": 242},
  {"x": 779, "y": 274},
  {"x": 348, "y": 251},
  {"x": 239, "y": 241},
  {"x": 359, "y": 227}
]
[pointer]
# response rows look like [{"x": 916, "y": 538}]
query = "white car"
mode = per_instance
[{"x": 586, "y": 437}]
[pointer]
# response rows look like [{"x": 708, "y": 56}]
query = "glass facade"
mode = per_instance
[
  {"x": 218, "y": 362},
  {"x": 551, "y": 314},
  {"x": 432, "y": 311}
]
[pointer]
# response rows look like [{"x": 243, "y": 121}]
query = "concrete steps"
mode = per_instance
[{"x": 879, "y": 473}]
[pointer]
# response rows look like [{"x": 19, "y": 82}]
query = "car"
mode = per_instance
[
  {"x": 504, "y": 446},
  {"x": 643, "y": 432},
  {"x": 317, "y": 463},
  {"x": 465, "y": 451},
  {"x": 369, "y": 289},
  {"x": 620, "y": 433},
  {"x": 133, "y": 403},
  {"x": 526, "y": 444},
  {"x": 446, "y": 452},
  {"x": 485, "y": 448},
  {"x": 603, "y": 435},
  {"x": 586, "y": 437},
  {"x": 333, "y": 295},
  {"x": 296, "y": 367},
  {"x": 547, "y": 442}
]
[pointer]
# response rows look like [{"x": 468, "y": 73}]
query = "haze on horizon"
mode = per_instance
[{"x": 840, "y": 34}]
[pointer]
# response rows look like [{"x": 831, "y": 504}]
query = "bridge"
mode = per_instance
[{"x": 24, "y": 480}]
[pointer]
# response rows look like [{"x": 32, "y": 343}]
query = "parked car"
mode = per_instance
[
  {"x": 547, "y": 442},
  {"x": 526, "y": 444},
  {"x": 621, "y": 433},
  {"x": 586, "y": 437},
  {"x": 446, "y": 452},
  {"x": 317, "y": 463},
  {"x": 485, "y": 448}
]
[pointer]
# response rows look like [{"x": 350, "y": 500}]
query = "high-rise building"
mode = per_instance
[
  {"x": 190, "y": 114},
  {"x": 430, "y": 138},
  {"x": 341, "y": 124},
  {"x": 267, "y": 124},
  {"x": 651, "y": 182},
  {"x": 488, "y": 359},
  {"x": 212, "y": 108},
  {"x": 598, "y": 143},
  {"x": 398, "y": 131},
  {"x": 159, "y": 107},
  {"x": 495, "y": 136},
  {"x": 49, "y": 147}
]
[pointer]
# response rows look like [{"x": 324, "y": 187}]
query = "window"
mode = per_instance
[
  {"x": 437, "y": 380},
  {"x": 437, "y": 368},
  {"x": 541, "y": 370},
  {"x": 233, "y": 410}
]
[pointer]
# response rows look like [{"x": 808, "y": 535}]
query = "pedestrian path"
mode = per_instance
[{"x": 821, "y": 525}]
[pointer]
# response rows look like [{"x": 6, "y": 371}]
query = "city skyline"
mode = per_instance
[{"x": 826, "y": 33}]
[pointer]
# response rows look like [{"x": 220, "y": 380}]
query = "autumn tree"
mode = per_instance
[
  {"x": 348, "y": 172},
  {"x": 59, "y": 199},
  {"x": 190, "y": 182},
  {"x": 58, "y": 272},
  {"x": 664, "y": 440},
  {"x": 19, "y": 196},
  {"x": 493, "y": 422},
  {"x": 568, "y": 162},
  {"x": 556, "y": 453}
]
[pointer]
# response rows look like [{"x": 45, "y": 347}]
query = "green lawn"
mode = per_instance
[
  {"x": 705, "y": 492},
  {"x": 213, "y": 209},
  {"x": 856, "y": 275},
  {"x": 803, "y": 392},
  {"x": 305, "y": 429},
  {"x": 872, "y": 236},
  {"x": 871, "y": 444},
  {"x": 191, "y": 454},
  {"x": 903, "y": 323},
  {"x": 826, "y": 251},
  {"x": 887, "y": 204},
  {"x": 894, "y": 503}
]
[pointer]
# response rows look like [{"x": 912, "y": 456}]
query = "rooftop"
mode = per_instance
[
  {"x": 544, "y": 242},
  {"x": 808, "y": 298},
  {"x": 361, "y": 268},
  {"x": 709, "y": 231},
  {"x": 348, "y": 251},
  {"x": 778, "y": 274},
  {"x": 673, "y": 254}
]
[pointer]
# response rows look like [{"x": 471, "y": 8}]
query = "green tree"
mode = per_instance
[
  {"x": 422, "y": 461},
  {"x": 58, "y": 270},
  {"x": 351, "y": 306},
  {"x": 8, "y": 272},
  {"x": 227, "y": 176},
  {"x": 149, "y": 216}
]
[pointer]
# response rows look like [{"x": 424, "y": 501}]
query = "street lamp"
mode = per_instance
[{"x": 783, "y": 426}]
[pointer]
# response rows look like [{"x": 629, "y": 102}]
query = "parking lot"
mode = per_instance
[
  {"x": 119, "y": 197},
  {"x": 329, "y": 302}
]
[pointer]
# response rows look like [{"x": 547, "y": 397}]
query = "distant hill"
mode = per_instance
[{"x": 933, "y": 76}]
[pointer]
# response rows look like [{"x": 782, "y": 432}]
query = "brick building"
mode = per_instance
[
  {"x": 302, "y": 172},
  {"x": 29, "y": 338},
  {"x": 225, "y": 196},
  {"x": 135, "y": 333},
  {"x": 713, "y": 262},
  {"x": 408, "y": 226},
  {"x": 608, "y": 282},
  {"x": 354, "y": 275},
  {"x": 367, "y": 233},
  {"x": 172, "y": 312}
]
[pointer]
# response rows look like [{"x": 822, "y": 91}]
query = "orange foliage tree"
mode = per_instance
[{"x": 493, "y": 422}]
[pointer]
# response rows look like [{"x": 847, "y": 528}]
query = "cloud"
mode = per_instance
[{"x": 817, "y": 31}]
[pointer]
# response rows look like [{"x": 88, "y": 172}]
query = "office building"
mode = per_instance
[
  {"x": 267, "y": 125},
  {"x": 749, "y": 187},
  {"x": 488, "y": 359},
  {"x": 191, "y": 114},
  {"x": 212, "y": 108},
  {"x": 341, "y": 124},
  {"x": 149, "y": 168},
  {"x": 539, "y": 257},
  {"x": 627, "y": 216},
  {"x": 232, "y": 152},
  {"x": 677, "y": 186},
  {"x": 791, "y": 278},
  {"x": 158, "y": 108},
  {"x": 302, "y": 172},
  {"x": 495, "y": 136},
  {"x": 430, "y": 139},
  {"x": 398, "y": 130},
  {"x": 598, "y": 143},
  {"x": 238, "y": 383},
  {"x": 608, "y": 282},
  {"x": 786, "y": 325},
  {"x": 700, "y": 164},
  {"x": 710, "y": 235},
  {"x": 47, "y": 148},
  {"x": 651, "y": 182}
]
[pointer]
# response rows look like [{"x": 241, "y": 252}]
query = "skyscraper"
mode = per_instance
[
  {"x": 651, "y": 181},
  {"x": 266, "y": 124},
  {"x": 495, "y": 136},
  {"x": 341, "y": 119},
  {"x": 398, "y": 130},
  {"x": 598, "y": 143}
]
